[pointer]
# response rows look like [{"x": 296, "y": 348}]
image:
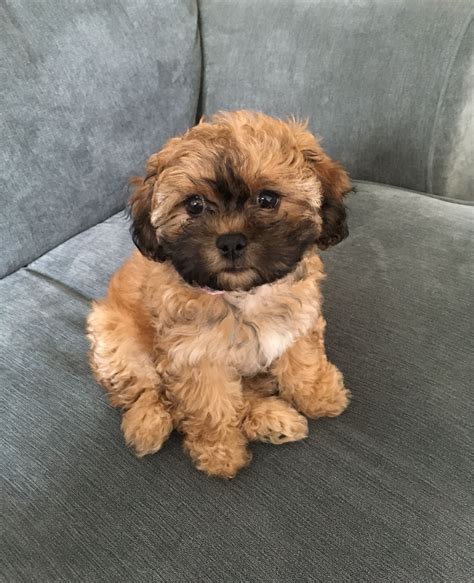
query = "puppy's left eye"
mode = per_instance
[
  {"x": 194, "y": 205},
  {"x": 267, "y": 199}
]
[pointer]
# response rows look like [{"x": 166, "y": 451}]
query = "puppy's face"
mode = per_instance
[{"x": 237, "y": 201}]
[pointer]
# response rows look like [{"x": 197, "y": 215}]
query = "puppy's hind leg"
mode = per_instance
[
  {"x": 121, "y": 361},
  {"x": 147, "y": 424},
  {"x": 308, "y": 380}
]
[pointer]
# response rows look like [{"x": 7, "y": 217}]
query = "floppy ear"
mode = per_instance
[
  {"x": 335, "y": 185},
  {"x": 141, "y": 202},
  {"x": 143, "y": 232}
]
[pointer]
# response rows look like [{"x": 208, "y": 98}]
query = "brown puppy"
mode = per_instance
[{"x": 216, "y": 328}]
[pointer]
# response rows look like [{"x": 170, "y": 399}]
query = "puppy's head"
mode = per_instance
[{"x": 238, "y": 200}]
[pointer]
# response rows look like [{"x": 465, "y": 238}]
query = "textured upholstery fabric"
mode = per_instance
[
  {"x": 452, "y": 147},
  {"x": 382, "y": 493},
  {"x": 386, "y": 84},
  {"x": 86, "y": 262},
  {"x": 89, "y": 89}
]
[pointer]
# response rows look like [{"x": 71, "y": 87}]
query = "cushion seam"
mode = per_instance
[
  {"x": 449, "y": 71},
  {"x": 21, "y": 265},
  {"x": 58, "y": 284},
  {"x": 199, "y": 105}
]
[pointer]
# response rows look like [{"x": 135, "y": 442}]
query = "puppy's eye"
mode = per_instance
[
  {"x": 194, "y": 205},
  {"x": 267, "y": 199}
]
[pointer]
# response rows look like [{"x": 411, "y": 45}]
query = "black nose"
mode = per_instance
[{"x": 232, "y": 245}]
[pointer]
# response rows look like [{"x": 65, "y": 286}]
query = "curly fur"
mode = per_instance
[{"x": 226, "y": 353}]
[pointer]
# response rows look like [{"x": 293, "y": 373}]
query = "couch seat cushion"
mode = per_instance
[{"x": 381, "y": 493}]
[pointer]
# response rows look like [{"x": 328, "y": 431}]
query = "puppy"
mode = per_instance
[{"x": 214, "y": 326}]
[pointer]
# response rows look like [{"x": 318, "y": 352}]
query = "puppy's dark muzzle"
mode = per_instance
[{"x": 232, "y": 246}]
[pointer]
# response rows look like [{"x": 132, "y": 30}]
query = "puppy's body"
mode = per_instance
[{"x": 231, "y": 364}]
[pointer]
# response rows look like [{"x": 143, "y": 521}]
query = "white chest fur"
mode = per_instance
[
  {"x": 248, "y": 330},
  {"x": 276, "y": 318}
]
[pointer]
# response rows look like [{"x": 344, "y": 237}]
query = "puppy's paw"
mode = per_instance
[
  {"x": 315, "y": 406},
  {"x": 274, "y": 421},
  {"x": 336, "y": 404},
  {"x": 222, "y": 458},
  {"x": 328, "y": 398},
  {"x": 146, "y": 428}
]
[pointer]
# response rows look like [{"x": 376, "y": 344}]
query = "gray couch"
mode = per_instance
[{"x": 384, "y": 493}]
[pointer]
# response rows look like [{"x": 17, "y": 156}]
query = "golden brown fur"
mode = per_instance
[{"x": 244, "y": 360}]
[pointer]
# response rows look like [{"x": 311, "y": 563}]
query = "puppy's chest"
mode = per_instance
[
  {"x": 256, "y": 330},
  {"x": 255, "y": 346},
  {"x": 263, "y": 330}
]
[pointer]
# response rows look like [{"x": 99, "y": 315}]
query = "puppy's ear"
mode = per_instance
[
  {"x": 143, "y": 232},
  {"x": 335, "y": 185}
]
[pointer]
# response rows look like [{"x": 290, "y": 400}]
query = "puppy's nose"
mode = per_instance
[{"x": 232, "y": 245}]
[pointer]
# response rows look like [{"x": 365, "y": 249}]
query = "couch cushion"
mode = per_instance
[
  {"x": 380, "y": 494},
  {"x": 89, "y": 90},
  {"x": 86, "y": 262},
  {"x": 388, "y": 85}
]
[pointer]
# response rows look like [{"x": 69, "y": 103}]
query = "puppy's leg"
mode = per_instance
[
  {"x": 208, "y": 410},
  {"x": 121, "y": 361},
  {"x": 147, "y": 424},
  {"x": 308, "y": 380},
  {"x": 267, "y": 417}
]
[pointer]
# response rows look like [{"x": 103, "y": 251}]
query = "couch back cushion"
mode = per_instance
[
  {"x": 386, "y": 85},
  {"x": 89, "y": 89}
]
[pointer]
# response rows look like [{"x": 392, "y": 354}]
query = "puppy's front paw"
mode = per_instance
[
  {"x": 274, "y": 421},
  {"x": 146, "y": 428},
  {"x": 223, "y": 457}
]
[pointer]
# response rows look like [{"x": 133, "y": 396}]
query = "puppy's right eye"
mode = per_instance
[{"x": 194, "y": 205}]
